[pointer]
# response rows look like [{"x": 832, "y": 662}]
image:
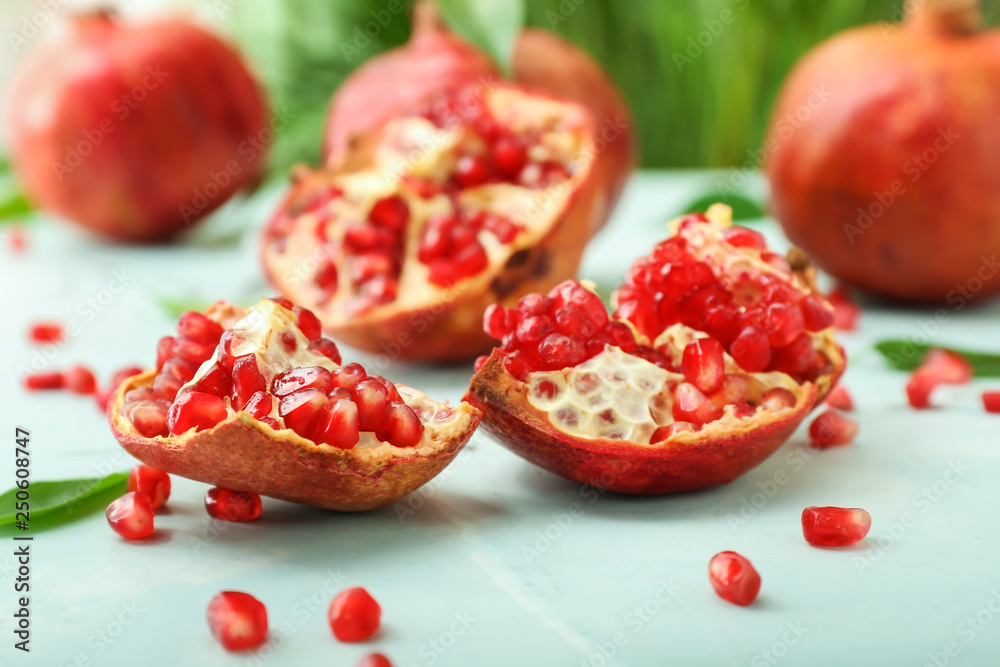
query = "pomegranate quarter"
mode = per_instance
[
  {"x": 256, "y": 401},
  {"x": 716, "y": 351}
]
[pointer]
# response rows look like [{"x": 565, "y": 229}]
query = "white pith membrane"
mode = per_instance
[
  {"x": 257, "y": 331},
  {"x": 620, "y": 396},
  {"x": 413, "y": 146}
]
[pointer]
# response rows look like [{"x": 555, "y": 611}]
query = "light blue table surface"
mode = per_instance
[{"x": 497, "y": 562}]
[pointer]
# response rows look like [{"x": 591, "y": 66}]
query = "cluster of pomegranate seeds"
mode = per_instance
[
  {"x": 991, "y": 401},
  {"x": 237, "y": 620},
  {"x": 734, "y": 578},
  {"x": 835, "y": 526},
  {"x": 354, "y": 615},
  {"x": 845, "y": 311},
  {"x": 151, "y": 482},
  {"x": 832, "y": 429},
  {"x": 78, "y": 379},
  {"x": 373, "y": 251},
  {"x": 840, "y": 398},
  {"x": 230, "y": 505},
  {"x": 131, "y": 516},
  {"x": 450, "y": 246},
  {"x": 46, "y": 332},
  {"x": 938, "y": 367}
]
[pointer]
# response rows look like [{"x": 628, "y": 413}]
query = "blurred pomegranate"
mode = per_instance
[
  {"x": 436, "y": 61},
  {"x": 135, "y": 131},
  {"x": 885, "y": 155}
]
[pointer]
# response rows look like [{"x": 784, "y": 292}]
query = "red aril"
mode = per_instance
[
  {"x": 840, "y": 399},
  {"x": 354, "y": 615},
  {"x": 831, "y": 429},
  {"x": 103, "y": 396},
  {"x": 230, "y": 505},
  {"x": 237, "y": 620},
  {"x": 835, "y": 526},
  {"x": 80, "y": 380},
  {"x": 703, "y": 364},
  {"x": 153, "y": 483},
  {"x": 734, "y": 578},
  {"x": 195, "y": 410},
  {"x": 46, "y": 332},
  {"x": 41, "y": 381},
  {"x": 374, "y": 660},
  {"x": 131, "y": 516},
  {"x": 947, "y": 367},
  {"x": 991, "y": 401}
]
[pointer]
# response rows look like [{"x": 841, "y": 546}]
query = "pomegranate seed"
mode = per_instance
[
  {"x": 777, "y": 398},
  {"x": 347, "y": 376},
  {"x": 832, "y": 429},
  {"x": 532, "y": 330},
  {"x": 816, "y": 313},
  {"x": 192, "y": 350},
  {"x": 665, "y": 432},
  {"x": 237, "y": 620},
  {"x": 991, "y": 401},
  {"x": 495, "y": 321},
  {"x": 472, "y": 170},
  {"x": 734, "y": 390},
  {"x": 919, "y": 388},
  {"x": 164, "y": 350},
  {"x": 198, "y": 327},
  {"x": 80, "y": 380},
  {"x": 703, "y": 364},
  {"x": 40, "y": 381},
  {"x": 389, "y": 387},
  {"x": 535, "y": 304},
  {"x": 167, "y": 386},
  {"x": 326, "y": 277},
  {"x": 560, "y": 351},
  {"x": 215, "y": 381},
  {"x": 247, "y": 380},
  {"x": 400, "y": 426},
  {"x": 260, "y": 405},
  {"x": 149, "y": 417},
  {"x": 947, "y": 367},
  {"x": 308, "y": 323},
  {"x": 691, "y": 405},
  {"x": 796, "y": 357},
  {"x": 307, "y": 377},
  {"x": 390, "y": 212},
  {"x": 777, "y": 261},
  {"x": 301, "y": 410},
  {"x": 131, "y": 516},
  {"x": 365, "y": 267},
  {"x": 327, "y": 348},
  {"x": 742, "y": 237},
  {"x": 374, "y": 660},
  {"x": 46, "y": 332},
  {"x": 230, "y": 505},
  {"x": 839, "y": 398},
  {"x": 180, "y": 368},
  {"x": 835, "y": 526},
  {"x": 734, "y": 578},
  {"x": 152, "y": 482},
  {"x": 195, "y": 410},
  {"x": 751, "y": 350},
  {"x": 372, "y": 399},
  {"x": 784, "y": 323},
  {"x": 509, "y": 156},
  {"x": 338, "y": 426},
  {"x": 104, "y": 396},
  {"x": 354, "y": 615}
]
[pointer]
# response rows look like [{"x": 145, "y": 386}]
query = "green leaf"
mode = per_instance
[
  {"x": 904, "y": 355},
  {"x": 14, "y": 206},
  {"x": 5, "y": 165},
  {"x": 492, "y": 25},
  {"x": 61, "y": 502},
  {"x": 743, "y": 207}
]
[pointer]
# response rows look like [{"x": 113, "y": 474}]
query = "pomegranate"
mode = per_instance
[
  {"x": 734, "y": 578},
  {"x": 155, "y": 484},
  {"x": 232, "y": 505},
  {"x": 436, "y": 61},
  {"x": 475, "y": 198},
  {"x": 237, "y": 620},
  {"x": 835, "y": 526},
  {"x": 162, "y": 126},
  {"x": 255, "y": 401},
  {"x": 716, "y": 351},
  {"x": 883, "y": 155},
  {"x": 832, "y": 429},
  {"x": 131, "y": 516},
  {"x": 354, "y": 615}
]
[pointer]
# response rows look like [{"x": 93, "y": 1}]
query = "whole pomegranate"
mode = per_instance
[
  {"x": 135, "y": 131},
  {"x": 884, "y": 155}
]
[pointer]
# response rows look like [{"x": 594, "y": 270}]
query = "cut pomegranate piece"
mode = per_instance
[
  {"x": 230, "y": 505},
  {"x": 237, "y": 620},
  {"x": 835, "y": 526},
  {"x": 840, "y": 399},
  {"x": 131, "y": 516},
  {"x": 716, "y": 351},
  {"x": 153, "y": 483},
  {"x": 831, "y": 429},
  {"x": 354, "y": 615},
  {"x": 991, "y": 401},
  {"x": 734, "y": 578},
  {"x": 46, "y": 332},
  {"x": 268, "y": 411}
]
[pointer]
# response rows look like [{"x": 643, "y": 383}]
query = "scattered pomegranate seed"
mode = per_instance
[
  {"x": 831, "y": 429},
  {"x": 230, "y": 505},
  {"x": 354, "y": 615},
  {"x": 835, "y": 526},
  {"x": 991, "y": 401},
  {"x": 151, "y": 482},
  {"x": 46, "y": 332},
  {"x": 80, "y": 380},
  {"x": 131, "y": 516},
  {"x": 840, "y": 399},
  {"x": 919, "y": 388},
  {"x": 237, "y": 620},
  {"x": 734, "y": 578},
  {"x": 41, "y": 381},
  {"x": 845, "y": 311},
  {"x": 947, "y": 367},
  {"x": 375, "y": 660}
]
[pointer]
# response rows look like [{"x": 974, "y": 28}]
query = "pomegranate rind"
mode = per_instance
[
  {"x": 243, "y": 454},
  {"x": 686, "y": 461}
]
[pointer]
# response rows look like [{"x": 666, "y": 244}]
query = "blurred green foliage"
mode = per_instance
[{"x": 700, "y": 82}]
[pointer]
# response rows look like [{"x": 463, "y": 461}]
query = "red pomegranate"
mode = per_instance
[
  {"x": 135, "y": 130},
  {"x": 884, "y": 155}
]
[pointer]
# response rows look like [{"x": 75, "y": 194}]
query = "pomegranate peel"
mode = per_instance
[{"x": 257, "y": 453}]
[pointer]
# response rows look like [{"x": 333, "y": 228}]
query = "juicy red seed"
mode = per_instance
[
  {"x": 338, "y": 425},
  {"x": 535, "y": 304},
  {"x": 180, "y": 368},
  {"x": 751, "y": 350},
  {"x": 466, "y": 263},
  {"x": 703, "y": 364},
  {"x": 519, "y": 363},
  {"x": 372, "y": 398},
  {"x": 152, "y": 482},
  {"x": 991, "y": 401},
  {"x": 835, "y": 526},
  {"x": 131, "y": 516},
  {"x": 215, "y": 381},
  {"x": 308, "y": 323},
  {"x": 691, "y": 405},
  {"x": 560, "y": 351},
  {"x": 496, "y": 321},
  {"x": 247, "y": 380},
  {"x": 573, "y": 322},
  {"x": 472, "y": 170},
  {"x": 742, "y": 237},
  {"x": 80, "y": 380},
  {"x": 796, "y": 357},
  {"x": 380, "y": 289},
  {"x": 435, "y": 243},
  {"x": 816, "y": 313},
  {"x": 198, "y": 327},
  {"x": 164, "y": 350},
  {"x": 947, "y": 367},
  {"x": 389, "y": 387},
  {"x": 327, "y": 348},
  {"x": 38, "y": 381},
  {"x": 237, "y": 620},
  {"x": 374, "y": 660},
  {"x": 840, "y": 398},
  {"x": 734, "y": 390},
  {"x": 783, "y": 323},
  {"x": 509, "y": 156},
  {"x": 533, "y": 329},
  {"x": 192, "y": 350},
  {"x": 230, "y": 505},
  {"x": 167, "y": 386},
  {"x": 354, "y": 615},
  {"x": 347, "y": 376},
  {"x": 365, "y": 267},
  {"x": 621, "y": 335},
  {"x": 400, "y": 426},
  {"x": 326, "y": 277},
  {"x": 301, "y": 410},
  {"x": 307, "y": 377},
  {"x": 777, "y": 398},
  {"x": 777, "y": 261},
  {"x": 149, "y": 417},
  {"x": 919, "y": 388},
  {"x": 845, "y": 316},
  {"x": 666, "y": 432},
  {"x": 195, "y": 410},
  {"x": 104, "y": 396},
  {"x": 46, "y": 332},
  {"x": 391, "y": 212},
  {"x": 831, "y": 429},
  {"x": 226, "y": 357},
  {"x": 734, "y": 578},
  {"x": 360, "y": 238},
  {"x": 259, "y": 405},
  {"x": 682, "y": 278}
]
